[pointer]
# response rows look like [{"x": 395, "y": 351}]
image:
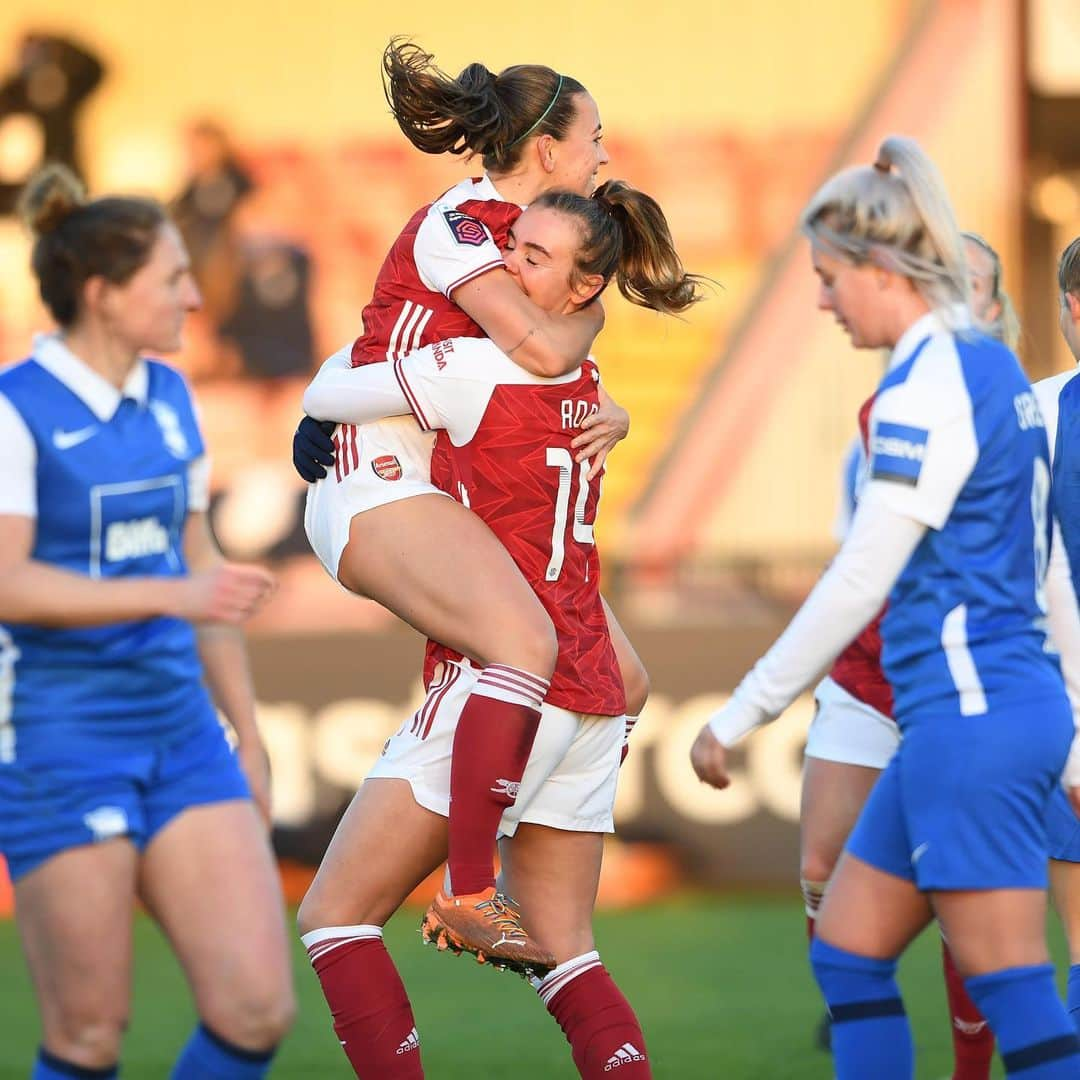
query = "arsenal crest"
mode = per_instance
[{"x": 386, "y": 467}]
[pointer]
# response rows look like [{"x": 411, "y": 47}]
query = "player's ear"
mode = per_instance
[
  {"x": 1074, "y": 306},
  {"x": 585, "y": 288},
  {"x": 546, "y": 150},
  {"x": 93, "y": 293}
]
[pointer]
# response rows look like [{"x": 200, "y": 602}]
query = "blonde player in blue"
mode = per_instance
[
  {"x": 953, "y": 529},
  {"x": 116, "y": 780}
]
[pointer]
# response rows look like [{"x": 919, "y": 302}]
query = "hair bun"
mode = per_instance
[{"x": 49, "y": 196}]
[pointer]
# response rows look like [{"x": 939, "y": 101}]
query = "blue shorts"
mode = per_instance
[
  {"x": 963, "y": 804},
  {"x": 60, "y": 797},
  {"x": 1062, "y": 827}
]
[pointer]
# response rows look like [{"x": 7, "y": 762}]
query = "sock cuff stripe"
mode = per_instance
[
  {"x": 258, "y": 1057},
  {"x": 330, "y": 933},
  {"x": 508, "y": 692},
  {"x": 76, "y": 1072},
  {"x": 566, "y": 973},
  {"x": 866, "y": 1010},
  {"x": 525, "y": 678},
  {"x": 1027, "y": 1057}
]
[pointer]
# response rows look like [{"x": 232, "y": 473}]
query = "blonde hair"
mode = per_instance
[
  {"x": 1006, "y": 327},
  {"x": 896, "y": 215}
]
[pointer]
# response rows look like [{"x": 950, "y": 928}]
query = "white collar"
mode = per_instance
[
  {"x": 97, "y": 393},
  {"x": 933, "y": 322}
]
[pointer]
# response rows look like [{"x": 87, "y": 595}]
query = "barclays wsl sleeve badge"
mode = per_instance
[
  {"x": 176, "y": 441},
  {"x": 465, "y": 229}
]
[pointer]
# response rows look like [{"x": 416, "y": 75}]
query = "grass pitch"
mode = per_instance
[{"x": 721, "y": 985}]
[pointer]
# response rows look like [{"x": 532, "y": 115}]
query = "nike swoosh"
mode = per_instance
[{"x": 65, "y": 440}]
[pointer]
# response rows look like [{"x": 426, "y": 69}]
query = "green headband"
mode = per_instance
[{"x": 543, "y": 115}]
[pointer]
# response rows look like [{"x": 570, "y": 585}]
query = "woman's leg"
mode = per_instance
[
  {"x": 554, "y": 874},
  {"x": 635, "y": 677},
  {"x": 833, "y": 795},
  {"x": 1065, "y": 889},
  {"x": 208, "y": 878},
  {"x": 384, "y": 846},
  {"x": 74, "y": 915},
  {"x": 867, "y": 919},
  {"x": 438, "y": 566},
  {"x": 998, "y": 940}
]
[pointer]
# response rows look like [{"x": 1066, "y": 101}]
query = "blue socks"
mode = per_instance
[
  {"x": 870, "y": 1032},
  {"x": 209, "y": 1057},
  {"x": 47, "y": 1067},
  {"x": 1036, "y": 1039},
  {"x": 1072, "y": 996}
]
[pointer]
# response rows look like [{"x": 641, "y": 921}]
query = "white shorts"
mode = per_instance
[
  {"x": 849, "y": 731},
  {"x": 377, "y": 464},
  {"x": 569, "y": 782}
]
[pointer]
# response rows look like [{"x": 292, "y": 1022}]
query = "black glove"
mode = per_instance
[{"x": 312, "y": 448}]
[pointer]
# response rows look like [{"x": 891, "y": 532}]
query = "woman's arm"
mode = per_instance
[
  {"x": 223, "y": 652},
  {"x": 847, "y": 597},
  {"x": 349, "y": 395},
  {"x": 539, "y": 341}
]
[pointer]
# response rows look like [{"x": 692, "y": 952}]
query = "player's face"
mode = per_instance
[
  {"x": 981, "y": 271},
  {"x": 577, "y": 158},
  {"x": 1068, "y": 312},
  {"x": 853, "y": 294},
  {"x": 147, "y": 312},
  {"x": 540, "y": 254}
]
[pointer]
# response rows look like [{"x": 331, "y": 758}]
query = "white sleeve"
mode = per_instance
[
  {"x": 849, "y": 594},
  {"x": 451, "y": 248},
  {"x": 449, "y": 384},
  {"x": 199, "y": 484},
  {"x": 348, "y": 395},
  {"x": 923, "y": 445},
  {"x": 18, "y": 452}
]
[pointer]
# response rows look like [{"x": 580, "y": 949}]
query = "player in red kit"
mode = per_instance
[
  {"x": 378, "y": 524},
  {"x": 506, "y": 447}
]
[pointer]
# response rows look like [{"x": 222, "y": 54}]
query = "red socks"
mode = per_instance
[
  {"x": 601, "y": 1028},
  {"x": 491, "y": 748},
  {"x": 973, "y": 1041},
  {"x": 372, "y": 1015}
]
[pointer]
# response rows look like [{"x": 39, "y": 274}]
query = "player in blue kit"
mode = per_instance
[
  {"x": 116, "y": 779},
  {"x": 953, "y": 529}
]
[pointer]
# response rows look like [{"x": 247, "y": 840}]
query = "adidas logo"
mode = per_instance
[
  {"x": 968, "y": 1027},
  {"x": 410, "y": 1042},
  {"x": 626, "y": 1053}
]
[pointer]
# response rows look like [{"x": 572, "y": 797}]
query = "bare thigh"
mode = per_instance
[
  {"x": 441, "y": 569},
  {"x": 869, "y": 912},
  {"x": 993, "y": 929},
  {"x": 833, "y": 795},
  {"x": 635, "y": 677},
  {"x": 209, "y": 879},
  {"x": 554, "y": 874},
  {"x": 384, "y": 846},
  {"x": 1065, "y": 889},
  {"x": 74, "y": 915}
]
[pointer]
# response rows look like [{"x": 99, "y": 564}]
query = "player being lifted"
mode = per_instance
[{"x": 378, "y": 524}]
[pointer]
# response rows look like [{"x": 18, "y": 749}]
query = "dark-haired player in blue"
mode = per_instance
[
  {"x": 116, "y": 779},
  {"x": 952, "y": 527}
]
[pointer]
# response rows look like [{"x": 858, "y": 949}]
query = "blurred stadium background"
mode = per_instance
[{"x": 265, "y": 126}]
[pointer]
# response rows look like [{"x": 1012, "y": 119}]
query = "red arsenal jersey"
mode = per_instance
[
  {"x": 455, "y": 239},
  {"x": 858, "y": 668},
  {"x": 508, "y": 437}
]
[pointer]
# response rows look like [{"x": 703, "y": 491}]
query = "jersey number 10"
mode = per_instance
[{"x": 558, "y": 457}]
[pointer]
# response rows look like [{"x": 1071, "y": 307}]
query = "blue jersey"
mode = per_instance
[
  {"x": 107, "y": 478},
  {"x": 958, "y": 443},
  {"x": 1066, "y": 485}
]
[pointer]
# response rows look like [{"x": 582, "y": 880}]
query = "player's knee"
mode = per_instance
[
  {"x": 532, "y": 645},
  {"x": 255, "y": 1016},
  {"x": 88, "y": 1035},
  {"x": 816, "y": 866}
]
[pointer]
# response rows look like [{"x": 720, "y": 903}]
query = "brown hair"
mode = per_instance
[
  {"x": 625, "y": 235},
  {"x": 1069, "y": 269},
  {"x": 1006, "y": 327},
  {"x": 76, "y": 239},
  {"x": 477, "y": 112}
]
